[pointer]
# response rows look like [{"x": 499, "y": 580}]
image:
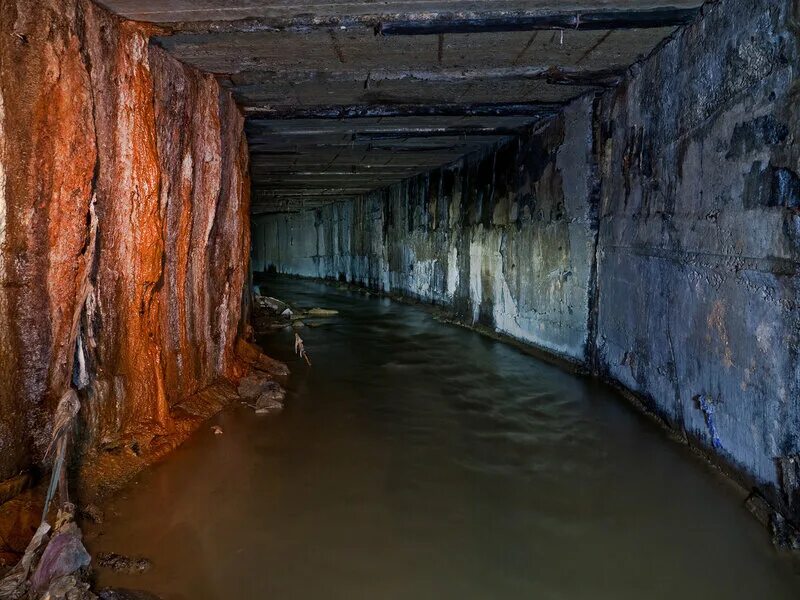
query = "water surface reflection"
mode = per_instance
[{"x": 421, "y": 460}]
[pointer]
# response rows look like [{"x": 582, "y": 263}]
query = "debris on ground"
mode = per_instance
[
  {"x": 300, "y": 349},
  {"x": 120, "y": 563},
  {"x": 251, "y": 386},
  {"x": 269, "y": 399},
  {"x": 216, "y": 429},
  {"x": 15, "y": 584},
  {"x": 259, "y": 390},
  {"x": 54, "y": 566},
  {"x": 252, "y": 356},
  {"x": 271, "y": 314},
  {"x": 262, "y": 393},
  {"x": 272, "y": 391},
  {"x": 63, "y": 556},
  {"x": 270, "y": 303}
]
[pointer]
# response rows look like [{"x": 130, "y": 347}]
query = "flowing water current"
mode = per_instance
[{"x": 419, "y": 460}]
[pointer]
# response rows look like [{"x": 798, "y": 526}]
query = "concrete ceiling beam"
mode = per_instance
[
  {"x": 250, "y": 80},
  {"x": 361, "y": 111},
  {"x": 587, "y": 20}
]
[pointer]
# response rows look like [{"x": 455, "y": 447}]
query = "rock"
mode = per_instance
[
  {"x": 287, "y": 314},
  {"x": 64, "y": 555},
  {"x": 298, "y": 324},
  {"x": 270, "y": 303},
  {"x": 322, "y": 312},
  {"x": 216, "y": 429},
  {"x": 271, "y": 395},
  {"x": 120, "y": 563},
  {"x": 274, "y": 391},
  {"x": 269, "y": 407},
  {"x": 252, "y": 386},
  {"x": 252, "y": 355},
  {"x": 271, "y": 399}
]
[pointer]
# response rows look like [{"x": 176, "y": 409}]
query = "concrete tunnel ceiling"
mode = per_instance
[{"x": 343, "y": 98}]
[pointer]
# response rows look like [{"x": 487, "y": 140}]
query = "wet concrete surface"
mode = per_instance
[{"x": 420, "y": 460}]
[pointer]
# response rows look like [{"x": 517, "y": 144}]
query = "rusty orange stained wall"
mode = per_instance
[{"x": 124, "y": 234}]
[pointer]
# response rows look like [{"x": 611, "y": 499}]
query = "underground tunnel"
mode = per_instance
[{"x": 409, "y": 298}]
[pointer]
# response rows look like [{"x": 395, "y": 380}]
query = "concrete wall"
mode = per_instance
[
  {"x": 505, "y": 239},
  {"x": 691, "y": 300}
]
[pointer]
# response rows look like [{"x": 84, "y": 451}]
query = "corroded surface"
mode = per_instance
[{"x": 123, "y": 229}]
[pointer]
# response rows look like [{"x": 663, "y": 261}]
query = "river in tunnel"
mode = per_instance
[{"x": 417, "y": 459}]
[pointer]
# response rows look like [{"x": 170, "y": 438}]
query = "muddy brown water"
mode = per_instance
[{"x": 421, "y": 460}]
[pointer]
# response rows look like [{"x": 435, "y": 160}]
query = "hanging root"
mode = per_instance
[{"x": 300, "y": 349}]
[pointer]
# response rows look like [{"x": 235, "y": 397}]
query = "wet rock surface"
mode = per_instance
[{"x": 253, "y": 385}]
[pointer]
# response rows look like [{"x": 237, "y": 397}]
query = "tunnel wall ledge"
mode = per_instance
[{"x": 651, "y": 233}]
